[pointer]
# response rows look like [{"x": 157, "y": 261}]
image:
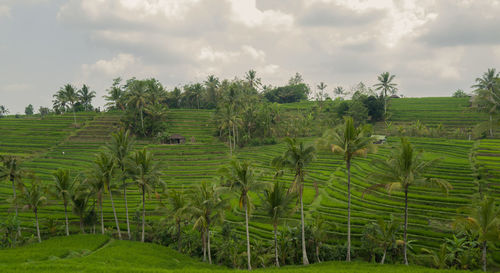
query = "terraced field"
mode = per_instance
[{"x": 488, "y": 158}]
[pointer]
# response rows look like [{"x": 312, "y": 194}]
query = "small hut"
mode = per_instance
[
  {"x": 177, "y": 139},
  {"x": 394, "y": 96}
]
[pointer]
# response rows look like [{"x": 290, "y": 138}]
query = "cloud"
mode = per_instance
[
  {"x": 15, "y": 87},
  {"x": 119, "y": 65},
  {"x": 4, "y": 11},
  {"x": 247, "y": 13}
]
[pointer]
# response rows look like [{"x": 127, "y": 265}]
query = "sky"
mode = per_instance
[{"x": 434, "y": 47}]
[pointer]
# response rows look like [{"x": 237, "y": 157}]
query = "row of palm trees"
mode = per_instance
[{"x": 68, "y": 97}]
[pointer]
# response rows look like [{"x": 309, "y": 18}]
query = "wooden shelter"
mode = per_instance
[{"x": 176, "y": 139}]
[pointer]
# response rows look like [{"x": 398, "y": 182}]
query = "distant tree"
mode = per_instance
[
  {"x": 29, "y": 110},
  {"x": 85, "y": 97},
  {"x": 33, "y": 198},
  {"x": 252, "y": 80},
  {"x": 43, "y": 111},
  {"x": 460, "y": 94},
  {"x": 137, "y": 99},
  {"x": 80, "y": 201},
  {"x": 296, "y": 79},
  {"x": 146, "y": 175},
  {"x": 296, "y": 158},
  {"x": 12, "y": 171},
  {"x": 97, "y": 187},
  {"x": 3, "y": 111},
  {"x": 63, "y": 189},
  {"x": 241, "y": 178},
  {"x": 66, "y": 95},
  {"x": 276, "y": 204},
  {"x": 488, "y": 94},
  {"x": 212, "y": 85},
  {"x": 116, "y": 96},
  {"x": 339, "y": 91},
  {"x": 386, "y": 86},
  {"x": 349, "y": 141},
  {"x": 406, "y": 167},
  {"x": 288, "y": 93}
]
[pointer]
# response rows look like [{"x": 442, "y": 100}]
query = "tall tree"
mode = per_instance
[
  {"x": 3, "y": 111},
  {"x": 348, "y": 141},
  {"x": 11, "y": 170},
  {"x": 252, "y": 79},
  {"x": 404, "y": 168},
  {"x": 104, "y": 168},
  {"x": 116, "y": 96},
  {"x": 33, "y": 198},
  {"x": 241, "y": 178},
  {"x": 97, "y": 186},
  {"x": 296, "y": 158},
  {"x": 385, "y": 234},
  {"x": 85, "y": 97},
  {"x": 137, "y": 98},
  {"x": 29, "y": 110},
  {"x": 80, "y": 201},
  {"x": 145, "y": 173},
  {"x": 120, "y": 148},
  {"x": 277, "y": 204},
  {"x": 178, "y": 206},
  {"x": 488, "y": 94},
  {"x": 386, "y": 86},
  {"x": 212, "y": 85},
  {"x": 67, "y": 94},
  {"x": 63, "y": 189},
  {"x": 483, "y": 219}
]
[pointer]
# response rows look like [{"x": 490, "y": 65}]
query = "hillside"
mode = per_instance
[{"x": 98, "y": 253}]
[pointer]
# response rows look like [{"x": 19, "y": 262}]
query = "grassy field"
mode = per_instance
[{"x": 97, "y": 253}]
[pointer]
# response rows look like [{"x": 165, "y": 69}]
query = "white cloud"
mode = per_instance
[
  {"x": 4, "y": 11},
  {"x": 444, "y": 62},
  {"x": 113, "y": 67},
  {"x": 247, "y": 13},
  {"x": 15, "y": 87}
]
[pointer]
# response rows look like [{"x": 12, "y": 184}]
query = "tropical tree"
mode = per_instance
[
  {"x": 104, "y": 169},
  {"x": 120, "y": 148},
  {"x": 296, "y": 158},
  {"x": 145, "y": 173},
  {"x": 349, "y": 142},
  {"x": 319, "y": 234},
  {"x": 178, "y": 206},
  {"x": 29, "y": 110},
  {"x": 386, "y": 86},
  {"x": 3, "y": 111},
  {"x": 339, "y": 91},
  {"x": 97, "y": 186},
  {"x": 11, "y": 170},
  {"x": 488, "y": 94},
  {"x": 483, "y": 220},
  {"x": 63, "y": 189},
  {"x": 137, "y": 98},
  {"x": 439, "y": 257},
  {"x": 33, "y": 198},
  {"x": 85, "y": 97},
  {"x": 404, "y": 168},
  {"x": 67, "y": 94},
  {"x": 241, "y": 177},
  {"x": 385, "y": 234},
  {"x": 207, "y": 208},
  {"x": 211, "y": 85},
  {"x": 252, "y": 80},
  {"x": 277, "y": 204},
  {"x": 116, "y": 96},
  {"x": 80, "y": 200}
]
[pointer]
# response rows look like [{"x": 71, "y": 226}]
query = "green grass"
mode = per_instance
[{"x": 98, "y": 253}]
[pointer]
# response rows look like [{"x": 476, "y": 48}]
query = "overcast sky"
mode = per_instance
[{"x": 433, "y": 47}]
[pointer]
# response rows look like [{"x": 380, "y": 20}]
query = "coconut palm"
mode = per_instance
[
  {"x": 207, "y": 208},
  {"x": 386, "y": 85},
  {"x": 349, "y": 142},
  {"x": 319, "y": 234},
  {"x": 252, "y": 80},
  {"x": 63, "y": 189},
  {"x": 385, "y": 234},
  {"x": 241, "y": 178},
  {"x": 116, "y": 96},
  {"x": 85, "y": 96},
  {"x": 488, "y": 94},
  {"x": 178, "y": 206},
  {"x": 104, "y": 168},
  {"x": 404, "y": 168},
  {"x": 296, "y": 158},
  {"x": 97, "y": 186},
  {"x": 137, "y": 98},
  {"x": 11, "y": 170},
  {"x": 483, "y": 219},
  {"x": 488, "y": 80},
  {"x": 68, "y": 94},
  {"x": 120, "y": 148},
  {"x": 145, "y": 173},
  {"x": 80, "y": 201},
  {"x": 276, "y": 203},
  {"x": 33, "y": 198}
]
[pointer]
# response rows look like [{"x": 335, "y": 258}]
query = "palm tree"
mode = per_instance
[
  {"x": 85, "y": 96},
  {"x": 241, "y": 178},
  {"x": 68, "y": 94},
  {"x": 386, "y": 85},
  {"x": 120, "y": 148},
  {"x": 104, "y": 169},
  {"x": 483, "y": 220},
  {"x": 404, "y": 168},
  {"x": 116, "y": 96},
  {"x": 296, "y": 158},
  {"x": 276, "y": 203},
  {"x": 488, "y": 97},
  {"x": 145, "y": 173},
  {"x": 178, "y": 208},
  {"x": 348, "y": 141},
  {"x": 63, "y": 189},
  {"x": 80, "y": 200},
  {"x": 207, "y": 208},
  {"x": 97, "y": 186},
  {"x": 319, "y": 235},
  {"x": 212, "y": 85},
  {"x": 11, "y": 170},
  {"x": 33, "y": 198},
  {"x": 253, "y": 81},
  {"x": 488, "y": 80},
  {"x": 385, "y": 234},
  {"x": 137, "y": 98}
]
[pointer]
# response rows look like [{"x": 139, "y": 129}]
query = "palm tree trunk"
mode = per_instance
[
  {"x": 81, "y": 224},
  {"x": 229, "y": 137},
  {"x": 74, "y": 115},
  {"x": 317, "y": 253},
  {"x": 142, "y": 123},
  {"x": 204, "y": 246},
  {"x": 348, "y": 165},
  {"x": 114, "y": 213},
  {"x": 248, "y": 238},
  {"x": 143, "y": 213},
  {"x": 383, "y": 256},
  {"x": 305, "y": 261},
  {"x": 179, "y": 235},
  {"x": 37, "y": 227},
  {"x": 405, "y": 227},
  {"x": 126, "y": 209},
  {"x": 102, "y": 215},
  {"x": 18, "y": 234},
  {"x": 234, "y": 138},
  {"x": 276, "y": 245},
  {"x": 484, "y": 255},
  {"x": 66, "y": 216},
  {"x": 208, "y": 246},
  {"x": 491, "y": 126}
]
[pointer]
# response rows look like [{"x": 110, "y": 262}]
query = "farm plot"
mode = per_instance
[{"x": 488, "y": 158}]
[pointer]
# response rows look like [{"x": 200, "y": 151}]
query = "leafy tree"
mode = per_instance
[
  {"x": 11, "y": 170},
  {"x": 97, "y": 187},
  {"x": 66, "y": 95},
  {"x": 43, "y": 111},
  {"x": 460, "y": 94},
  {"x": 339, "y": 91},
  {"x": 488, "y": 94},
  {"x": 63, "y": 190},
  {"x": 288, "y": 93},
  {"x": 80, "y": 201},
  {"x": 348, "y": 141},
  {"x": 385, "y": 234},
  {"x": 404, "y": 168},
  {"x": 276, "y": 204},
  {"x": 29, "y": 110},
  {"x": 241, "y": 178},
  {"x": 252, "y": 79},
  {"x": 116, "y": 96},
  {"x": 3, "y": 111},
  {"x": 33, "y": 198},
  {"x": 483, "y": 220},
  {"x": 296, "y": 79},
  {"x": 85, "y": 97},
  {"x": 120, "y": 148},
  {"x": 386, "y": 86},
  {"x": 145, "y": 173},
  {"x": 137, "y": 98},
  {"x": 178, "y": 207},
  {"x": 212, "y": 88},
  {"x": 296, "y": 158},
  {"x": 319, "y": 235}
]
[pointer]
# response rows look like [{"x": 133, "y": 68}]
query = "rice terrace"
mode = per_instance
[{"x": 166, "y": 159}]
